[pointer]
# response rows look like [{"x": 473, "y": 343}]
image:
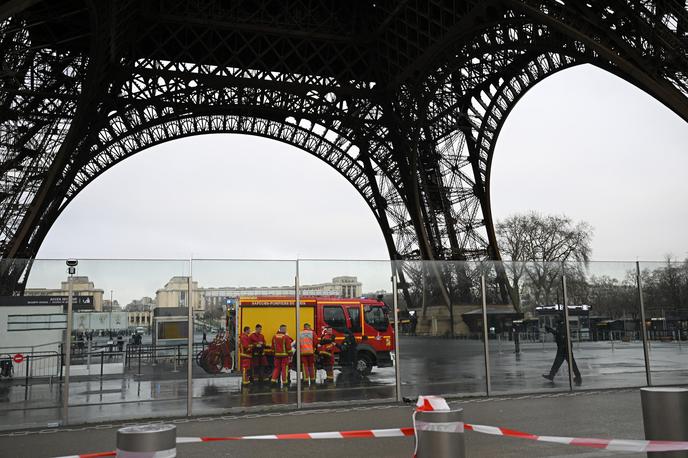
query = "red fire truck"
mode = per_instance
[{"x": 366, "y": 318}]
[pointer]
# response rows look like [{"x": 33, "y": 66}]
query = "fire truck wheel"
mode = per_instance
[{"x": 365, "y": 363}]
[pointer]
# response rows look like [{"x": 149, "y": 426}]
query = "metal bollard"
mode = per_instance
[
  {"x": 147, "y": 441},
  {"x": 665, "y": 416},
  {"x": 439, "y": 434}
]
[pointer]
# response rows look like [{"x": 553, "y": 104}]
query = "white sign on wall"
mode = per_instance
[{"x": 88, "y": 321}]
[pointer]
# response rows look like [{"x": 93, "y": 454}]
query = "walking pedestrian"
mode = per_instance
[
  {"x": 413, "y": 322},
  {"x": 561, "y": 339}
]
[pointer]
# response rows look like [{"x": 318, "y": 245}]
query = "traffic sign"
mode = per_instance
[{"x": 18, "y": 358}]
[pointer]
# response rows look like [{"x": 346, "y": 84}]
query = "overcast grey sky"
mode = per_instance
[{"x": 582, "y": 142}]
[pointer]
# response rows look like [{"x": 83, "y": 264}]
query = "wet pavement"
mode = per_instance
[
  {"x": 428, "y": 366},
  {"x": 602, "y": 414}
]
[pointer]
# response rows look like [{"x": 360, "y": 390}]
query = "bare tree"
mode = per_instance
[
  {"x": 538, "y": 245},
  {"x": 665, "y": 287}
]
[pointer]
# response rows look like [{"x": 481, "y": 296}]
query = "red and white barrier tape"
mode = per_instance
[
  {"x": 621, "y": 445},
  {"x": 438, "y": 404},
  {"x": 367, "y": 433}
]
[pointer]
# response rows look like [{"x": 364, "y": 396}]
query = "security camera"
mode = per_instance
[{"x": 72, "y": 262}]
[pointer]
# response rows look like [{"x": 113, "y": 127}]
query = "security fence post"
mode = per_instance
[
  {"x": 643, "y": 327},
  {"x": 486, "y": 345},
  {"x": 189, "y": 345},
  {"x": 26, "y": 382},
  {"x": 297, "y": 333},
  {"x": 139, "y": 371},
  {"x": 68, "y": 351},
  {"x": 395, "y": 305},
  {"x": 569, "y": 350}
]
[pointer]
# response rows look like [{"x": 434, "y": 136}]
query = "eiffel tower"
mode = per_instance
[{"x": 404, "y": 98}]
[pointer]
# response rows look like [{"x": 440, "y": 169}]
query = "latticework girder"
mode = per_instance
[{"x": 404, "y": 98}]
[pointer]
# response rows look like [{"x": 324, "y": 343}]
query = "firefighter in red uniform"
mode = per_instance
[
  {"x": 281, "y": 345},
  {"x": 259, "y": 362},
  {"x": 245, "y": 355},
  {"x": 326, "y": 349},
  {"x": 307, "y": 342}
]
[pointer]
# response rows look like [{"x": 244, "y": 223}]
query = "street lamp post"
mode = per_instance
[
  {"x": 71, "y": 270},
  {"x": 110, "y": 315}
]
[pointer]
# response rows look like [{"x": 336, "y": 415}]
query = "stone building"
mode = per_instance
[
  {"x": 81, "y": 286},
  {"x": 345, "y": 286},
  {"x": 136, "y": 319},
  {"x": 175, "y": 292}
]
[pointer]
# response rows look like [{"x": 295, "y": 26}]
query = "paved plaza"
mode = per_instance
[{"x": 428, "y": 366}]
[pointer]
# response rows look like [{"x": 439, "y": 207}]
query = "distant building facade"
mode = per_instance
[
  {"x": 81, "y": 286},
  {"x": 136, "y": 319},
  {"x": 345, "y": 286},
  {"x": 140, "y": 305},
  {"x": 348, "y": 286},
  {"x": 175, "y": 292},
  {"x": 139, "y": 312}
]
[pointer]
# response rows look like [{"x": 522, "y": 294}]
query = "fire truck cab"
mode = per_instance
[{"x": 366, "y": 318}]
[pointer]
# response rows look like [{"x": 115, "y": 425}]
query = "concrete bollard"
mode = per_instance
[
  {"x": 147, "y": 441},
  {"x": 665, "y": 417},
  {"x": 439, "y": 430}
]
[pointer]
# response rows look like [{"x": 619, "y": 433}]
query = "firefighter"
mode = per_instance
[
  {"x": 326, "y": 347},
  {"x": 259, "y": 362},
  {"x": 349, "y": 351},
  {"x": 245, "y": 355},
  {"x": 307, "y": 342},
  {"x": 281, "y": 345}
]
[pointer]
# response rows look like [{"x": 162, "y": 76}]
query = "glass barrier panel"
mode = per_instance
[
  {"x": 233, "y": 373},
  {"x": 32, "y": 327},
  {"x": 665, "y": 294},
  {"x": 605, "y": 324},
  {"x": 440, "y": 349},
  {"x": 524, "y": 301},
  {"x": 129, "y": 339},
  {"x": 348, "y": 305}
]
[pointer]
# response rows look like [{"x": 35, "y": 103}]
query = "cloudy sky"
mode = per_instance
[{"x": 582, "y": 142}]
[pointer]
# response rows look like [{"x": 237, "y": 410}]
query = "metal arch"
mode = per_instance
[
  {"x": 178, "y": 127},
  {"x": 501, "y": 101},
  {"x": 292, "y": 134},
  {"x": 649, "y": 46},
  {"x": 148, "y": 98},
  {"x": 422, "y": 88},
  {"x": 60, "y": 108},
  {"x": 35, "y": 123}
]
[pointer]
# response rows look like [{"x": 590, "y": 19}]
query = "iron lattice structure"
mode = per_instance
[{"x": 404, "y": 98}]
